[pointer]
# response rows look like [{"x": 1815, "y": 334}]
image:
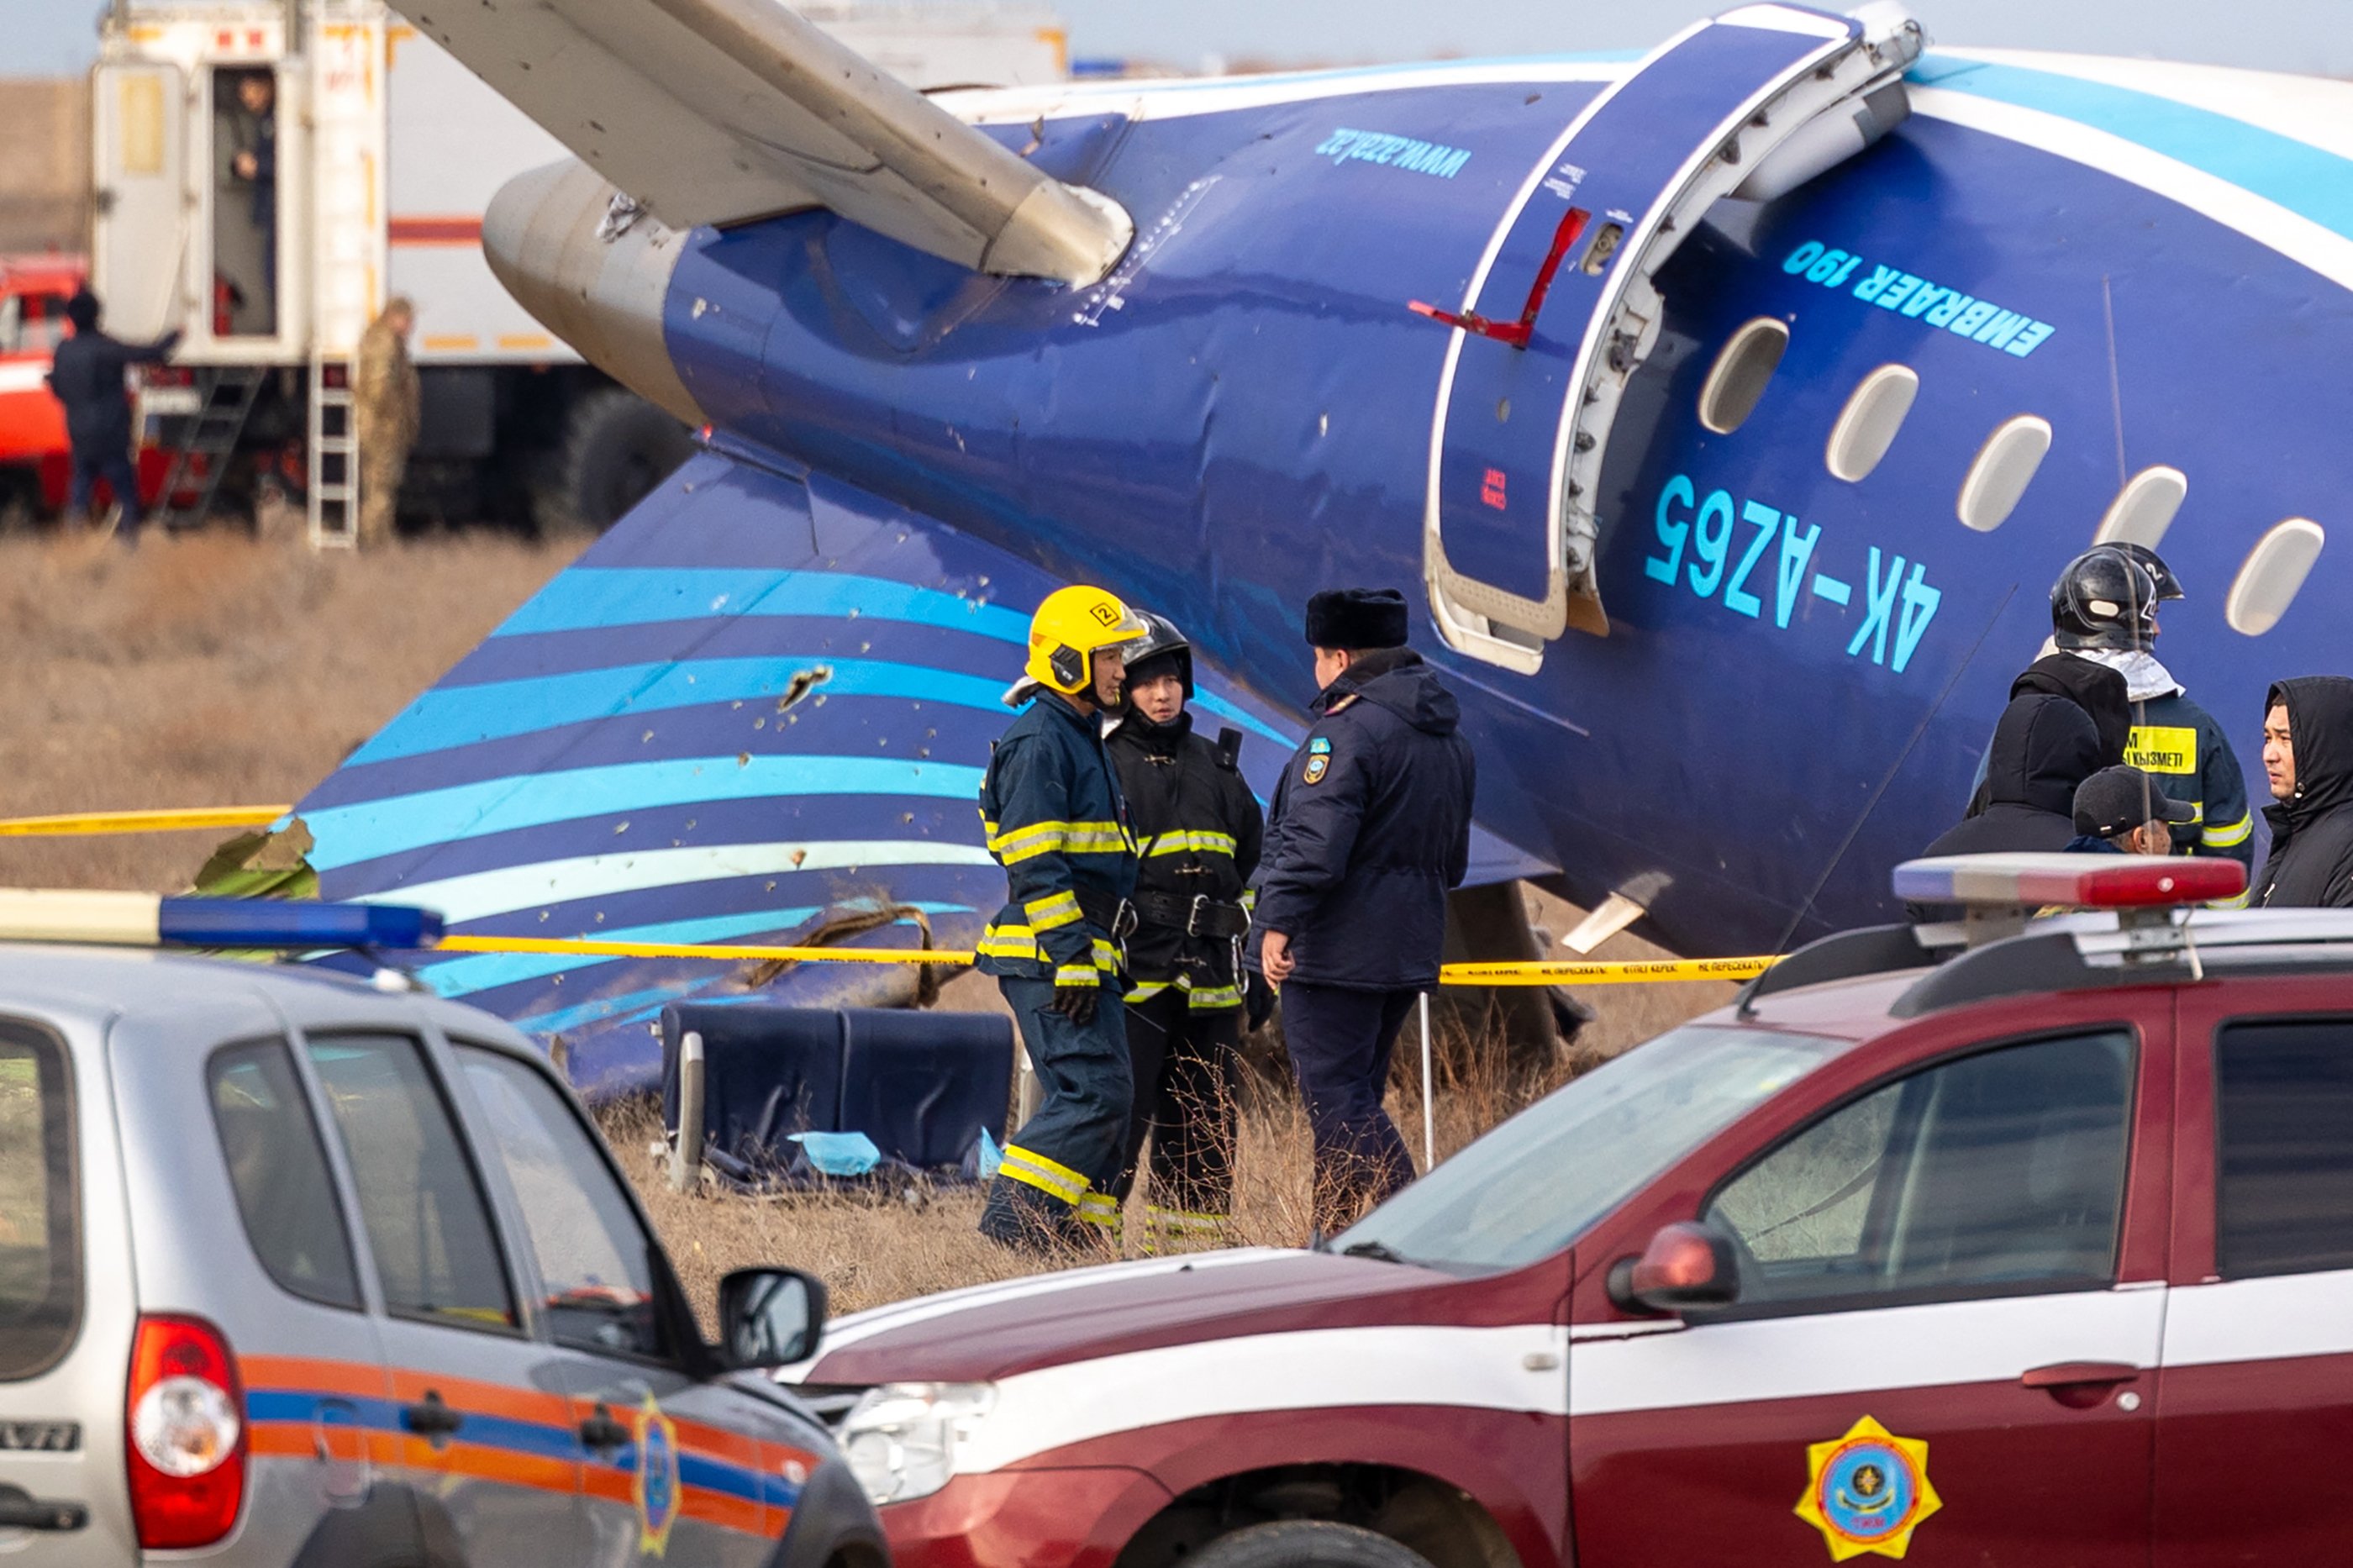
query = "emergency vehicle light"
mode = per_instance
[
  {"x": 2077, "y": 881},
  {"x": 147, "y": 920}
]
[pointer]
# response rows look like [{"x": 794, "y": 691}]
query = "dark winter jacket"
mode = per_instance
[
  {"x": 87, "y": 377},
  {"x": 2311, "y": 862},
  {"x": 2100, "y": 692},
  {"x": 1197, "y": 829},
  {"x": 2044, "y": 746},
  {"x": 1370, "y": 827},
  {"x": 1052, "y": 807}
]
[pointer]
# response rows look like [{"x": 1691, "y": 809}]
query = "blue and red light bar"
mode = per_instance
[
  {"x": 150, "y": 920},
  {"x": 2077, "y": 881}
]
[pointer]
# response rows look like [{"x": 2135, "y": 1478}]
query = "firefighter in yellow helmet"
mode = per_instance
[{"x": 1052, "y": 807}]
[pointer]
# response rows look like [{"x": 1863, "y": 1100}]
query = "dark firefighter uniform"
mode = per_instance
[
  {"x": 1051, "y": 808},
  {"x": 1196, "y": 831},
  {"x": 1369, "y": 830},
  {"x": 2103, "y": 609}
]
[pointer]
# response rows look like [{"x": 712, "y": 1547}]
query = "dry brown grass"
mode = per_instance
[{"x": 216, "y": 669}]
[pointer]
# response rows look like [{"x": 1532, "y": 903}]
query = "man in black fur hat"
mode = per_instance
[{"x": 1370, "y": 827}]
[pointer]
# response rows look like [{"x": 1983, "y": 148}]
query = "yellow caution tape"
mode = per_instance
[
  {"x": 1545, "y": 972},
  {"x": 90, "y": 821},
  {"x": 1516, "y": 973}
]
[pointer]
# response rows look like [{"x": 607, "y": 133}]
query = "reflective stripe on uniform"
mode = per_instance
[
  {"x": 1181, "y": 1222},
  {"x": 1204, "y": 998},
  {"x": 2232, "y": 837},
  {"x": 1078, "y": 974},
  {"x": 1146, "y": 991},
  {"x": 1055, "y": 838},
  {"x": 1053, "y": 911},
  {"x": 1050, "y": 1176},
  {"x": 1102, "y": 1209},
  {"x": 1007, "y": 941},
  {"x": 1178, "y": 843}
]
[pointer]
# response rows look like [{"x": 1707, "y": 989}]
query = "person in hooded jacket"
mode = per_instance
[
  {"x": 2308, "y": 760},
  {"x": 2044, "y": 746},
  {"x": 1198, "y": 830},
  {"x": 85, "y": 375},
  {"x": 1370, "y": 829},
  {"x": 2103, "y": 694}
]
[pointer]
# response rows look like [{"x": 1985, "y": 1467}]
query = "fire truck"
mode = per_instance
[{"x": 267, "y": 175}]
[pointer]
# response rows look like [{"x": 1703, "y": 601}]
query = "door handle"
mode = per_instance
[
  {"x": 2083, "y": 1385},
  {"x": 19, "y": 1510},
  {"x": 600, "y": 1431},
  {"x": 432, "y": 1418}
]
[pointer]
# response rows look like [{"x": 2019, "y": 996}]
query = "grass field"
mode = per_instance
[{"x": 216, "y": 669}]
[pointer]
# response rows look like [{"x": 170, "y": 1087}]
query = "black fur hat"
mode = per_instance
[{"x": 1356, "y": 619}]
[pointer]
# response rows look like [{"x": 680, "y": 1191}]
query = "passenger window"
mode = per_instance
[
  {"x": 420, "y": 1201},
  {"x": 1999, "y": 1173},
  {"x": 2283, "y": 1164},
  {"x": 40, "y": 1236},
  {"x": 1737, "y": 379},
  {"x": 2274, "y": 573},
  {"x": 279, "y": 1171},
  {"x": 2144, "y": 509},
  {"x": 1867, "y": 425},
  {"x": 594, "y": 1258},
  {"x": 2005, "y": 466}
]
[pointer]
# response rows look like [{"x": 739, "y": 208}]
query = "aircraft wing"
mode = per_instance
[
  {"x": 715, "y": 112},
  {"x": 756, "y": 711}
]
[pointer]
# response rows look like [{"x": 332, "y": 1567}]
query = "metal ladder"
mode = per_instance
[
  {"x": 332, "y": 453},
  {"x": 227, "y": 394}
]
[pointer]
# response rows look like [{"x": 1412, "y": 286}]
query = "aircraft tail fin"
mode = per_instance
[{"x": 719, "y": 112}]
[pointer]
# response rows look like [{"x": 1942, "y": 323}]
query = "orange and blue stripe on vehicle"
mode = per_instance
[{"x": 513, "y": 1437}]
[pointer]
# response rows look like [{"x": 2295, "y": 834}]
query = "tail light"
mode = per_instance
[{"x": 187, "y": 1434}]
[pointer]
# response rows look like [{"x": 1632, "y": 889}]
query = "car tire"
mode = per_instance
[
  {"x": 616, "y": 447},
  {"x": 1305, "y": 1543}
]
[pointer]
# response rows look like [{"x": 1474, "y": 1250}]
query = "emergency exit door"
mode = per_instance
[
  {"x": 1561, "y": 311},
  {"x": 140, "y": 236}
]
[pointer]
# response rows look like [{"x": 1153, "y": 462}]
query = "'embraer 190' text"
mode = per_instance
[{"x": 1893, "y": 288}]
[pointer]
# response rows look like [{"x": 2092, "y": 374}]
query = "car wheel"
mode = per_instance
[
  {"x": 1305, "y": 1543},
  {"x": 616, "y": 447}
]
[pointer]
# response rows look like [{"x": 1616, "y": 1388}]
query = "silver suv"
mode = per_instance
[{"x": 297, "y": 1269}]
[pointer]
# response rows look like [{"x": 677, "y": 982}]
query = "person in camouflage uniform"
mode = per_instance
[{"x": 385, "y": 416}]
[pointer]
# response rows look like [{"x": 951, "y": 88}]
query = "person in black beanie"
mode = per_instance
[{"x": 1370, "y": 829}]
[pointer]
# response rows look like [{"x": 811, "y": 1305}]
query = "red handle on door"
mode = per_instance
[{"x": 2080, "y": 1374}]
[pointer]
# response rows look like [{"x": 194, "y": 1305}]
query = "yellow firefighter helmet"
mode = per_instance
[{"x": 1069, "y": 630}]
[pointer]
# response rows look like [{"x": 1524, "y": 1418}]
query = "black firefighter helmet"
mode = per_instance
[
  {"x": 1162, "y": 650},
  {"x": 2107, "y": 598}
]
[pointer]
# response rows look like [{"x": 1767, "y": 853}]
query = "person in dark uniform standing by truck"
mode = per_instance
[
  {"x": 85, "y": 375},
  {"x": 1052, "y": 809},
  {"x": 1370, "y": 828},
  {"x": 1197, "y": 828}
]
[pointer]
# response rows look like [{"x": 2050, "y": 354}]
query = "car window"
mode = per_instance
[
  {"x": 2283, "y": 1166},
  {"x": 592, "y": 1255},
  {"x": 40, "y": 1246},
  {"x": 2002, "y": 1171},
  {"x": 280, "y": 1172},
  {"x": 420, "y": 1203},
  {"x": 1532, "y": 1186}
]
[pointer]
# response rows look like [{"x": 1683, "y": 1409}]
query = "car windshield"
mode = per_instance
[{"x": 1531, "y": 1187}]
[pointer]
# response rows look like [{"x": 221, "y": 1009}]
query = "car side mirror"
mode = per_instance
[
  {"x": 769, "y": 1317},
  {"x": 1687, "y": 1264}
]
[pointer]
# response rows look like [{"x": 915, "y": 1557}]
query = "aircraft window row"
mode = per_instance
[
  {"x": 2005, "y": 466},
  {"x": 1737, "y": 378},
  {"x": 2144, "y": 509},
  {"x": 1867, "y": 428}
]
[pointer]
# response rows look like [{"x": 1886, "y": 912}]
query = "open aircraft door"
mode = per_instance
[
  {"x": 139, "y": 233},
  {"x": 1561, "y": 311}
]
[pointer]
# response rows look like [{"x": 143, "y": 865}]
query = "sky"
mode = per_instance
[{"x": 50, "y": 36}]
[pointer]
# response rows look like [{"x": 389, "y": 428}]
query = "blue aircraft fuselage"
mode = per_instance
[{"x": 1801, "y": 671}]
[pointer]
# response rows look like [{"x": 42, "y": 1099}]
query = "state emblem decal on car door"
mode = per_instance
[
  {"x": 658, "y": 1488},
  {"x": 1867, "y": 1491}
]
